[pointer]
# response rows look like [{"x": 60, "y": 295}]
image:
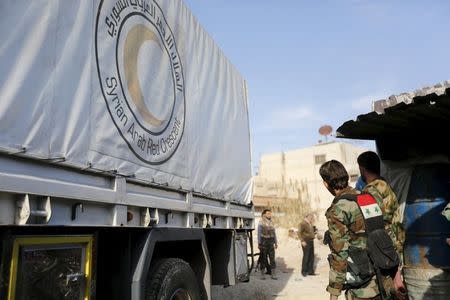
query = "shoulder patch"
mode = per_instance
[{"x": 369, "y": 206}]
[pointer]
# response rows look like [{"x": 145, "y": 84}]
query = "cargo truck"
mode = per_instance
[{"x": 125, "y": 168}]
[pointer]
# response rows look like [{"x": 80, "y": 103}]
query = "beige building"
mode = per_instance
[{"x": 295, "y": 174}]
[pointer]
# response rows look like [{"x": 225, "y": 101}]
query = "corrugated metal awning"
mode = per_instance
[{"x": 421, "y": 115}]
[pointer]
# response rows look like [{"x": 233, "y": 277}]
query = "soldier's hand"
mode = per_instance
[
  {"x": 326, "y": 238},
  {"x": 401, "y": 294},
  {"x": 276, "y": 246},
  {"x": 303, "y": 244},
  {"x": 399, "y": 286}
]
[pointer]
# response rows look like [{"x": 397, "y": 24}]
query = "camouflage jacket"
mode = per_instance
[
  {"x": 345, "y": 225},
  {"x": 388, "y": 202}
]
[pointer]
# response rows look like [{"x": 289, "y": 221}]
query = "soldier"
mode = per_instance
[
  {"x": 369, "y": 167},
  {"x": 267, "y": 243},
  {"x": 307, "y": 232},
  {"x": 346, "y": 234}
]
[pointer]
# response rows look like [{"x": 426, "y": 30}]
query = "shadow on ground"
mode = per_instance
[{"x": 257, "y": 288}]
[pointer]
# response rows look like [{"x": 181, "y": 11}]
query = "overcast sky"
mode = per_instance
[{"x": 309, "y": 63}]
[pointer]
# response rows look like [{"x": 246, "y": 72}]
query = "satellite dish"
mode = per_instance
[{"x": 325, "y": 130}]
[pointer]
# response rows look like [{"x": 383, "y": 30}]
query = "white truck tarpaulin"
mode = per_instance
[{"x": 135, "y": 86}]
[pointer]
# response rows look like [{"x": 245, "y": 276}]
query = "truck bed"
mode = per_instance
[{"x": 34, "y": 191}]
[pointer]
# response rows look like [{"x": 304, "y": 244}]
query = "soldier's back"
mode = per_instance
[{"x": 347, "y": 229}]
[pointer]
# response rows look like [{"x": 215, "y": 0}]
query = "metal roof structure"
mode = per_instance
[{"x": 423, "y": 112}]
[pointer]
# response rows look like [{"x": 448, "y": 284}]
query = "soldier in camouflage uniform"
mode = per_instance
[
  {"x": 346, "y": 230},
  {"x": 369, "y": 166}
]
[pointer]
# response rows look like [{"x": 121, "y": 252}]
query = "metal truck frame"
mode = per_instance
[{"x": 126, "y": 227}]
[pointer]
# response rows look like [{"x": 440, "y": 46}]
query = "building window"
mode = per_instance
[
  {"x": 319, "y": 159},
  {"x": 353, "y": 178}
]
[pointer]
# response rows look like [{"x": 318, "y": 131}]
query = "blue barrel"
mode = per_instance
[{"x": 426, "y": 252}]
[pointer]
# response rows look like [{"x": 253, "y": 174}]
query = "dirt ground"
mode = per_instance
[{"x": 290, "y": 284}]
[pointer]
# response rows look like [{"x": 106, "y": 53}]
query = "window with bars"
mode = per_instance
[{"x": 320, "y": 159}]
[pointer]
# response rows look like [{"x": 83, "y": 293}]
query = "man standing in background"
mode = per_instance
[
  {"x": 369, "y": 167},
  {"x": 307, "y": 232},
  {"x": 267, "y": 243}
]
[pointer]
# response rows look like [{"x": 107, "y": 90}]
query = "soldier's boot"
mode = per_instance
[
  {"x": 274, "y": 274},
  {"x": 263, "y": 274}
]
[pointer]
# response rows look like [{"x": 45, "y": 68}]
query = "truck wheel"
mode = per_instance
[{"x": 171, "y": 279}]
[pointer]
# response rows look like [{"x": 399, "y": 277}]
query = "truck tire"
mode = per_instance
[{"x": 171, "y": 279}]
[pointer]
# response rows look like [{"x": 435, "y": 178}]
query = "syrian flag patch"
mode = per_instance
[{"x": 369, "y": 206}]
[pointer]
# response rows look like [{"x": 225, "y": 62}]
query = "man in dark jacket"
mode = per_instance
[
  {"x": 267, "y": 243},
  {"x": 307, "y": 233}
]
